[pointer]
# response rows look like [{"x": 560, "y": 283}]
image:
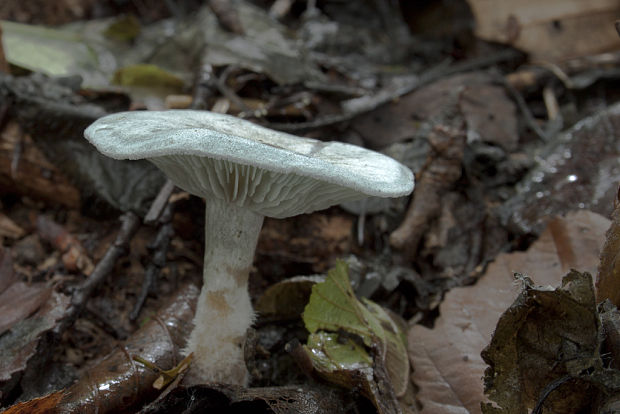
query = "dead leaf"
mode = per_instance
[
  {"x": 31, "y": 173},
  {"x": 554, "y": 30},
  {"x": 43, "y": 405},
  {"x": 447, "y": 364},
  {"x": 19, "y": 344},
  {"x": 19, "y": 301},
  {"x": 545, "y": 349},
  {"x": 490, "y": 116},
  {"x": 608, "y": 278},
  {"x": 577, "y": 170},
  {"x": 119, "y": 384},
  {"x": 7, "y": 275},
  {"x": 287, "y": 299},
  {"x": 318, "y": 240}
]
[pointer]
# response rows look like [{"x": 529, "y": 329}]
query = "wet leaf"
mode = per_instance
[
  {"x": 117, "y": 383},
  {"x": 576, "y": 170},
  {"x": 221, "y": 398},
  {"x": 43, "y": 405},
  {"x": 447, "y": 361}
]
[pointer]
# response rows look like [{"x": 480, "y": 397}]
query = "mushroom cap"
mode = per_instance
[{"x": 271, "y": 172}]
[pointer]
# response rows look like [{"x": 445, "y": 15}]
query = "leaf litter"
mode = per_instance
[
  {"x": 334, "y": 70},
  {"x": 447, "y": 364}
]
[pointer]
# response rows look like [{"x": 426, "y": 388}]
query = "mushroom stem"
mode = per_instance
[{"x": 224, "y": 310}]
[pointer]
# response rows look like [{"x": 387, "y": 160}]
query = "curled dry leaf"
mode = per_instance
[
  {"x": 546, "y": 350},
  {"x": 447, "y": 364},
  {"x": 442, "y": 169}
]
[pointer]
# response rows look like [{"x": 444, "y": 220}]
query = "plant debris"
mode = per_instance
[{"x": 508, "y": 123}]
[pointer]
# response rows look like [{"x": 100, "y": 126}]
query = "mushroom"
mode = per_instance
[{"x": 245, "y": 172}]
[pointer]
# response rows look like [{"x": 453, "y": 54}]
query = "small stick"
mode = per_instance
[
  {"x": 159, "y": 247},
  {"x": 159, "y": 203},
  {"x": 130, "y": 223}
]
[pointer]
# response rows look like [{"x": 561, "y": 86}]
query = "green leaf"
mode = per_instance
[
  {"x": 333, "y": 307},
  {"x": 356, "y": 343},
  {"x": 332, "y": 353}
]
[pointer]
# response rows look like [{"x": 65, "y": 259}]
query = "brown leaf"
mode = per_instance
[
  {"x": 544, "y": 338},
  {"x": 489, "y": 114},
  {"x": 43, "y": 405},
  {"x": 7, "y": 275},
  {"x": 19, "y": 344},
  {"x": 575, "y": 171},
  {"x": 447, "y": 362},
  {"x": 21, "y": 300},
  {"x": 608, "y": 278},
  {"x": 311, "y": 242},
  {"x": 549, "y": 31}
]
